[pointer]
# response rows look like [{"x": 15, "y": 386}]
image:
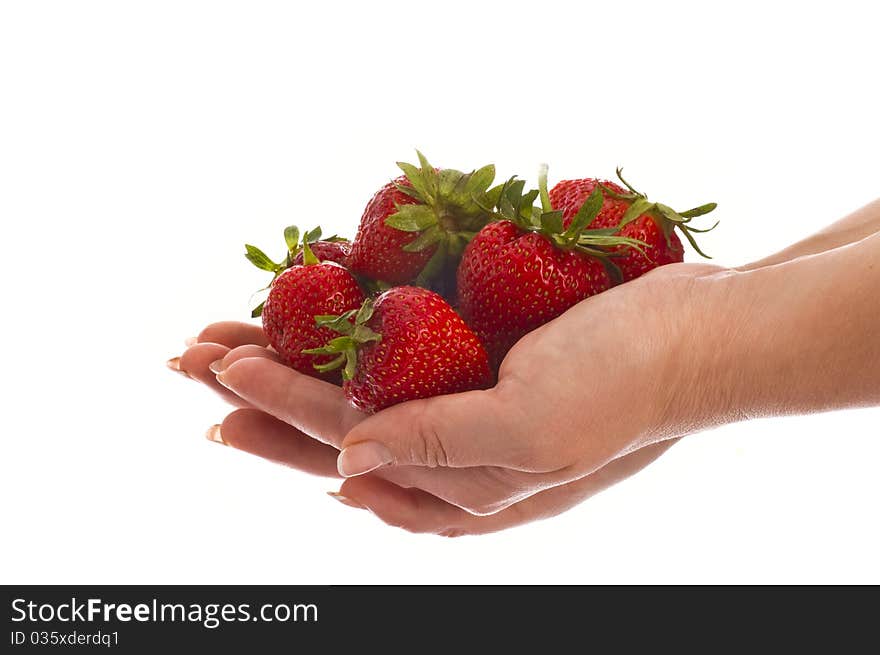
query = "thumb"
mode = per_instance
[{"x": 465, "y": 429}]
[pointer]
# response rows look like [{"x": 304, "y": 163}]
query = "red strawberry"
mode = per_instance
[
  {"x": 651, "y": 223},
  {"x": 407, "y": 344},
  {"x": 568, "y": 196},
  {"x": 332, "y": 249},
  {"x": 417, "y": 225},
  {"x": 518, "y": 274},
  {"x": 327, "y": 251},
  {"x": 378, "y": 251},
  {"x": 296, "y": 296}
]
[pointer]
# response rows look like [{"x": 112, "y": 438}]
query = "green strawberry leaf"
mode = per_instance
[
  {"x": 551, "y": 222},
  {"x": 259, "y": 259},
  {"x": 534, "y": 219},
  {"x": 332, "y": 365},
  {"x": 687, "y": 233},
  {"x": 638, "y": 207},
  {"x": 527, "y": 203},
  {"x": 510, "y": 203},
  {"x": 429, "y": 177},
  {"x": 363, "y": 334},
  {"x": 506, "y": 207},
  {"x": 350, "y": 365},
  {"x": 337, "y": 345},
  {"x": 309, "y": 258},
  {"x": 424, "y": 163},
  {"x": 341, "y": 323},
  {"x": 515, "y": 189},
  {"x": 669, "y": 213},
  {"x": 699, "y": 211},
  {"x": 426, "y": 239},
  {"x": 479, "y": 180},
  {"x": 449, "y": 180},
  {"x": 489, "y": 199},
  {"x": 434, "y": 266},
  {"x": 258, "y": 310},
  {"x": 364, "y": 313},
  {"x": 312, "y": 236},
  {"x": 587, "y": 213},
  {"x": 291, "y": 237},
  {"x": 605, "y": 231},
  {"x": 412, "y": 218},
  {"x": 418, "y": 190},
  {"x": 702, "y": 230},
  {"x": 602, "y": 241}
]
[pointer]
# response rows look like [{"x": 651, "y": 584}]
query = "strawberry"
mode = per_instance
[
  {"x": 333, "y": 249},
  {"x": 415, "y": 227},
  {"x": 625, "y": 208},
  {"x": 327, "y": 251},
  {"x": 297, "y": 294},
  {"x": 407, "y": 344},
  {"x": 378, "y": 248},
  {"x": 522, "y": 272}
]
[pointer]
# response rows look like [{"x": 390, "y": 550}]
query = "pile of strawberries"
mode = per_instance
[{"x": 447, "y": 272}]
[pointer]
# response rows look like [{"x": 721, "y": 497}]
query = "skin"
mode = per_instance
[{"x": 650, "y": 372}]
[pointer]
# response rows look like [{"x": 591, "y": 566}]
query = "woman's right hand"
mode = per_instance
[{"x": 256, "y": 432}]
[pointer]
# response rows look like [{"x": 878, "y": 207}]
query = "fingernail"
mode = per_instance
[
  {"x": 222, "y": 380},
  {"x": 362, "y": 458},
  {"x": 191, "y": 341},
  {"x": 216, "y": 366},
  {"x": 345, "y": 500},
  {"x": 213, "y": 434},
  {"x": 174, "y": 365}
]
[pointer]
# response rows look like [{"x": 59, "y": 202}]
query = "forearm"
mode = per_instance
[
  {"x": 855, "y": 227},
  {"x": 797, "y": 337}
]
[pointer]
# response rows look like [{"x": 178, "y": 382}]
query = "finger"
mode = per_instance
[
  {"x": 320, "y": 410},
  {"x": 194, "y": 363},
  {"x": 313, "y": 406},
  {"x": 262, "y": 435},
  {"x": 415, "y": 510},
  {"x": 233, "y": 334},
  {"x": 243, "y": 352},
  {"x": 479, "y": 490},
  {"x": 459, "y": 430}
]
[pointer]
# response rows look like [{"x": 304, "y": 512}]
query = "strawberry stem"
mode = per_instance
[
  {"x": 352, "y": 326},
  {"x": 543, "y": 169}
]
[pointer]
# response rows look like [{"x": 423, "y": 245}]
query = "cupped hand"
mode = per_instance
[
  {"x": 617, "y": 372},
  {"x": 575, "y": 400},
  {"x": 410, "y": 508}
]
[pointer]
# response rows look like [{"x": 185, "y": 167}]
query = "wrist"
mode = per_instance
[
  {"x": 708, "y": 386},
  {"x": 790, "y": 338},
  {"x": 725, "y": 371}
]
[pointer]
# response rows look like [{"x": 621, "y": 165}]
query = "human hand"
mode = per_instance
[
  {"x": 483, "y": 451},
  {"x": 408, "y": 507},
  {"x": 683, "y": 348},
  {"x": 680, "y": 349}
]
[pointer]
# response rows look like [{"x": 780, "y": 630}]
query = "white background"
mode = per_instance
[{"x": 141, "y": 144}]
